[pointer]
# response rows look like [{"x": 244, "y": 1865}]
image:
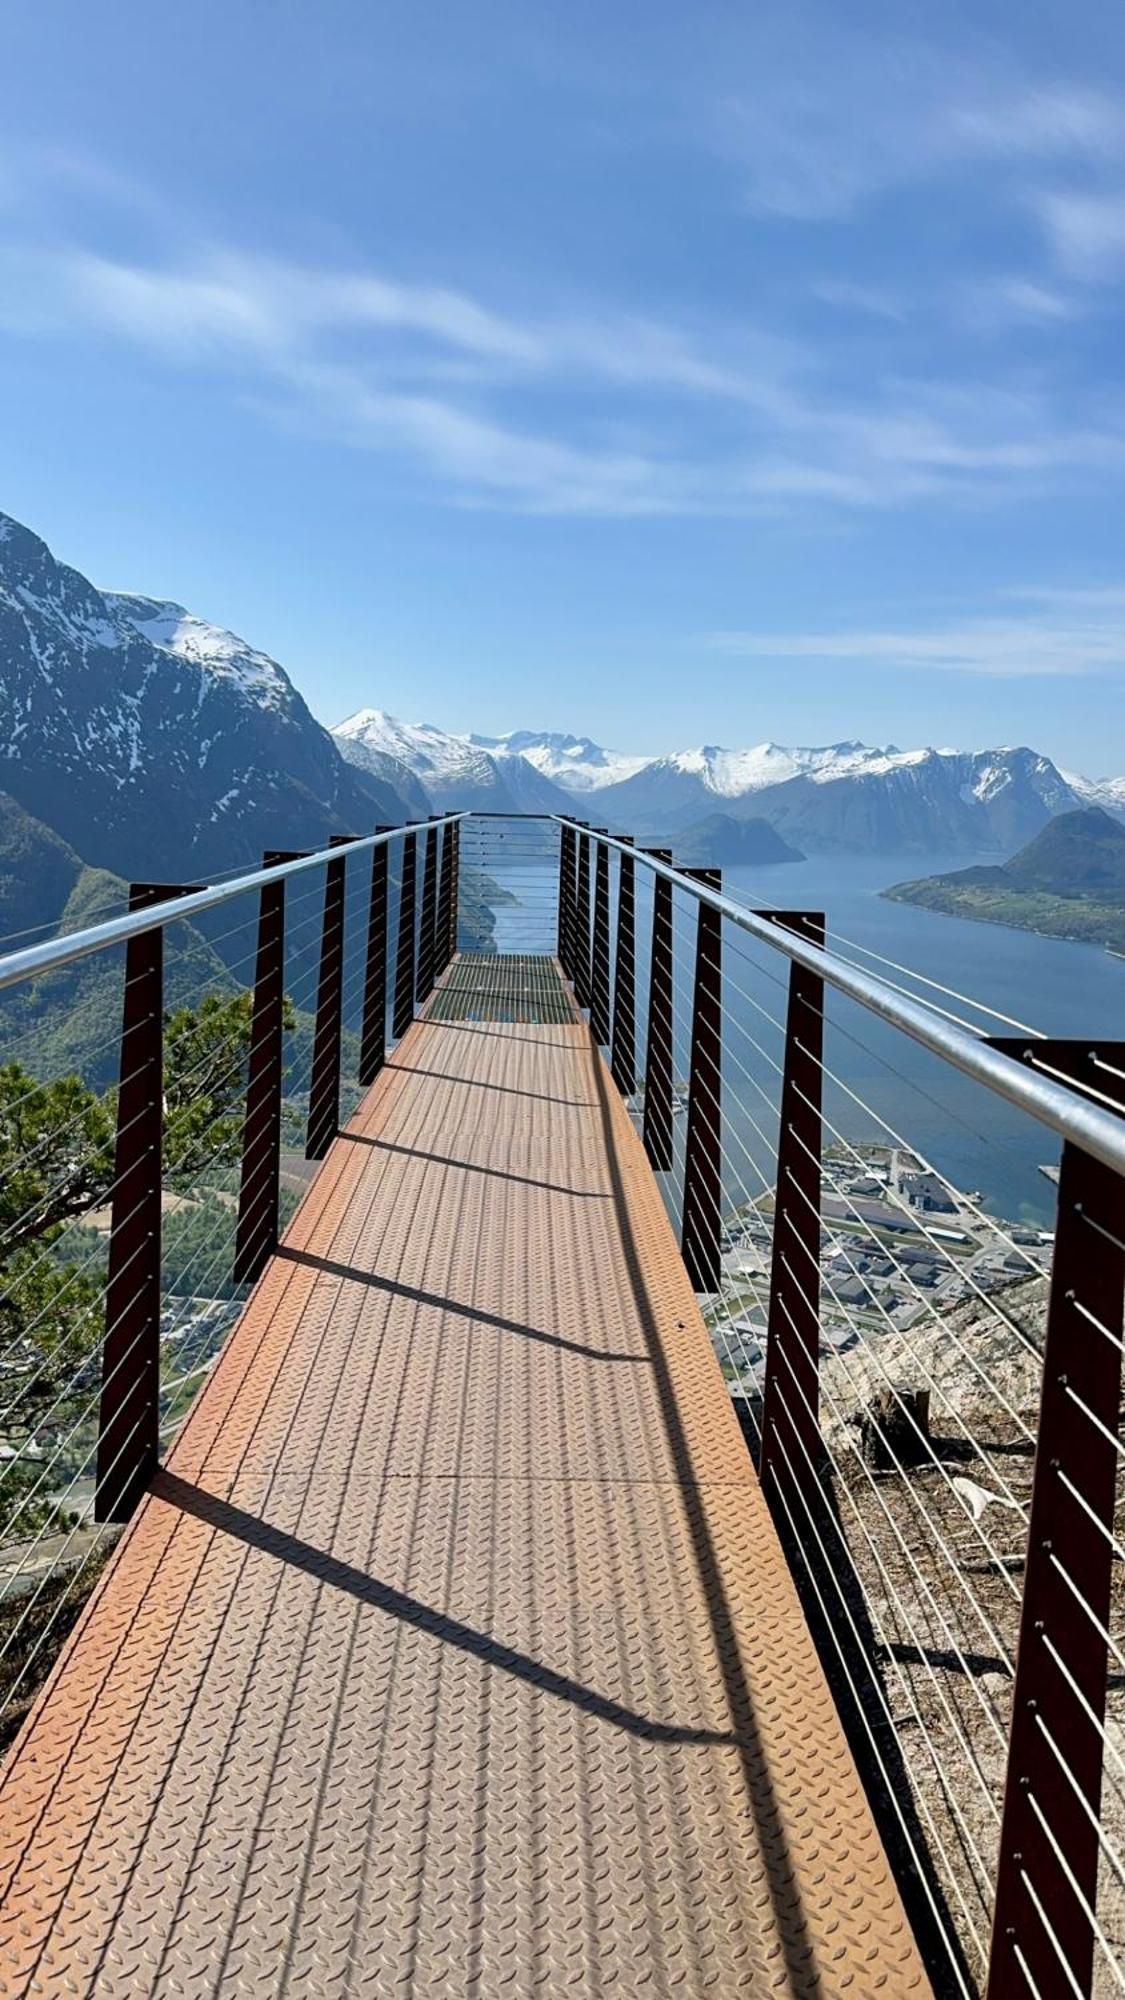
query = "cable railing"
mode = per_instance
[
  {"x": 509, "y": 885},
  {"x": 253, "y": 1013},
  {"x": 931, "y": 1391}
]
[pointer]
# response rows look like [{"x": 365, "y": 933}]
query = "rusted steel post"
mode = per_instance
[
  {"x": 701, "y": 1222},
  {"x": 1052, "y": 1791},
  {"x": 404, "y": 955},
  {"x": 566, "y": 893},
  {"x": 324, "y": 1083},
  {"x": 623, "y": 1050},
  {"x": 582, "y": 916},
  {"x": 444, "y": 946},
  {"x": 453, "y": 839},
  {"x": 373, "y": 1029},
  {"x": 791, "y": 1395},
  {"x": 129, "y": 1410},
  {"x": 599, "y": 962},
  {"x": 657, "y": 1122},
  {"x": 257, "y": 1233},
  {"x": 427, "y": 930}
]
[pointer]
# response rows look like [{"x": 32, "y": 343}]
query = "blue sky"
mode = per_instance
[{"x": 672, "y": 373}]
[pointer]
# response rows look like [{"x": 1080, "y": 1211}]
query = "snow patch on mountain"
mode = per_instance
[
  {"x": 151, "y": 740},
  {"x": 576, "y": 763},
  {"x": 221, "y": 652},
  {"x": 733, "y": 773},
  {"x": 457, "y": 772},
  {"x": 431, "y": 753},
  {"x": 1107, "y": 792}
]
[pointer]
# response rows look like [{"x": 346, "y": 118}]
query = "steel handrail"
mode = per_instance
[
  {"x": 56, "y": 952},
  {"x": 1097, "y": 1132}
]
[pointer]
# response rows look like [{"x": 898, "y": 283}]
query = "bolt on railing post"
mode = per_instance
[
  {"x": 404, "y": 955},
  {"x": 129, "y": 1406},
  {"x": 623, "y": 1049},
  {"x": 373, "y": 1028},
  {"x": 566, "y": 895},
  {"x": 427, "y": 930},
  {"x": 701, "y": 1219},
  {"x": 791, "y": 1393},
  {"x": 324, "y": 1082},
  {"x": 656, "y": 1126},
  {"x": 599, "y": 962},
  {"x": 258, "y": 1198},
  {"x": 444, "y": 948},
  {"x": 1049, "y": 1847},
  {"x": 582, "y": 916}
]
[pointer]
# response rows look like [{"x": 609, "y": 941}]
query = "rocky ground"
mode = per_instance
[{"x": 940, "y": 1572}]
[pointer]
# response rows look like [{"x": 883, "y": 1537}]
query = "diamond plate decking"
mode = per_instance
[
  {"x": 488, "y": 986},
  {"x": 453, "y": 1652}
]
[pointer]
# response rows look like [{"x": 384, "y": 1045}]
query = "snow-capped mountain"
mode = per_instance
[
  {"x": 576, "y": 763},
  {"x": 455, "y": 770},
  {"x": 226, "y": 656},
  {"x": 843, "y": 797},
  {"x": 153, "y": 743},
  {"x": 1107, "y": 792},
  {"x": 851, "y": 796},
  {"x": 732, "y": 773}
]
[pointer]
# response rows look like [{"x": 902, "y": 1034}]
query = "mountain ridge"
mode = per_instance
[
  {"x": 841, "y": 797},
  {"x": 152, "y": 742},
  {"x": 723, "y": 841},
  {"x": 458, "y": 773}
]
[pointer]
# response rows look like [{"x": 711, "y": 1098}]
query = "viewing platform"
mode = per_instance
[
  {"x": 506, "y": 1487},
  {"x": 453, "y": 1649}
]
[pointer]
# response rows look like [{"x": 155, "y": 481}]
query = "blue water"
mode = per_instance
[
  {"x": 1061, "y": 988},
  {"x": 974, "y": 1138}
]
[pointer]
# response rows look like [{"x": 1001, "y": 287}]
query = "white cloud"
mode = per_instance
[
  {"x": 1086, "y": 233},
  {"x": 1069, "y": 634},
  {"x": 816, "y": 134},
  {"x": 1038, "y": 123},
  {"x": 996, "y": 304},
  {"x": 225, "y": 300},
  {"x": 630, "y": 415}
]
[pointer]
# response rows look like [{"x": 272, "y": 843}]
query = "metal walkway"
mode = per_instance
[{"x": 453, "y": 1651}]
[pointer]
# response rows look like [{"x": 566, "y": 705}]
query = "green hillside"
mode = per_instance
[
  {"x": 1069, "y": 882},
  {"x": 69, "y": 1021},
  {"x": 722, "y": 840}
]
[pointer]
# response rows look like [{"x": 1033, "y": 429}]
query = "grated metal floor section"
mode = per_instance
[
  {"x": 453, "y": 1652},
  {"x": 489, "y": 986}
]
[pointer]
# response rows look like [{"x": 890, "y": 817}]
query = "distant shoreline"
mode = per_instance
[{"x": 1106, "y": 930}]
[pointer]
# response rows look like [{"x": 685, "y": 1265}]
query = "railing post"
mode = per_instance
[
  {"x": 701, "y": 1222},
  {"x": 566, "y": 895},
  {"x": 404, "y": 956},
  {"x": 324, "y": 1083},
  {"x": 453, "y": 887},
  {"x": 791, "y": 1394},
  {"x": 599, "y": 962},
  {"x": 427, "y": 930},
  {"x": 656, "y": 1125},
  {"x": 129, "y": 1410},
  {"x": 257, "y": 1232},
  {"x": 623, "y": 1051},
  {"x": 444, "y": 947},
  {"x": 582, "y": 916},
  {"x": 373, "y": 1029},
  {"x": 1049, "y": 1849}
]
